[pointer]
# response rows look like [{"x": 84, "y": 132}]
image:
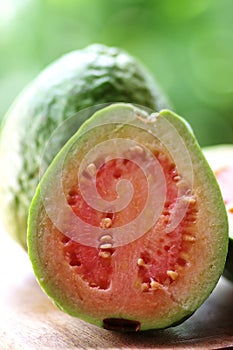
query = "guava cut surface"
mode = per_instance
[
  {"x": 220, "y": 158},
  {"x": 128, "y": 229},
  {"x": 95, "y": 75}
]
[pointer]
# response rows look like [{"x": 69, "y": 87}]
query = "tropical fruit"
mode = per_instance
[
  {"x": 220, "y": 158},
  {"x": 95, "y": 75},
  {"x": 128, "y": 229}
]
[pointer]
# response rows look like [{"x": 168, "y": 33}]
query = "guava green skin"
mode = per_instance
[
  {"x": 95, "y": 75},
  {"x": 217, "y": 221},
  {"x": 217, "y": 157}
]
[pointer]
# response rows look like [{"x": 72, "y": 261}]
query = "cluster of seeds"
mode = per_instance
[
  {"x": 106, "y": 241},
  {"x": 161, "y": 267},
  {"x": 152, "y": 272}
]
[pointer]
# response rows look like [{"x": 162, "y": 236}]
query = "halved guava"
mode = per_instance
[
  {"x": 128, "y": 229},
  {"x": 94, "y": 75},
  {"x": 220, "y": 158}
]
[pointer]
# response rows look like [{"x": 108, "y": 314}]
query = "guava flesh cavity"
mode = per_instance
[{"x": 121, "y": 233}]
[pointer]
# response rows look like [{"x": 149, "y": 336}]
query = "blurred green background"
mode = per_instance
[{"x": 186, "y": 44}]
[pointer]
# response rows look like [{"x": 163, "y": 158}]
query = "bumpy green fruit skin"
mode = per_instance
[{"x": 95, "y": 75}]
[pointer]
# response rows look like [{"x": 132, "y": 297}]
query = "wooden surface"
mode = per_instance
[{"x": 28, "y": 320}]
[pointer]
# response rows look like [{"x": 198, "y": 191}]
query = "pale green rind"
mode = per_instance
[
  {"x": 95, "y": 75},
  {"x": 215, "y": 221}
]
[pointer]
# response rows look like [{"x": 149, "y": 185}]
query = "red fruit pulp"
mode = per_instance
[
  {"x": 113, "y": 266},
  {"x": 162, "y": 257}
]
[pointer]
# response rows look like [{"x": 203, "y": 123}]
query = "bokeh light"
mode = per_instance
[{"x": 187, "y": 45}]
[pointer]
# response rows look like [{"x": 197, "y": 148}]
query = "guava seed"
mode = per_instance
[
  {"x": 137, "y": 149},
  {"x": 91, "y": 169},
  {"x": 172, "y": 274},
  {"x": 105, "y": 238},
  {"x": 155, "y": 285},
  {"x": 141, "y": 262},
  {"x": 189, "y": 238},
  {"x": 105, "y": 254},
  {"x": 106, "y": 246},
  {"x": 106, "y": 223}
]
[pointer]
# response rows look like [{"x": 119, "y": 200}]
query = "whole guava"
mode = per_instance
[{"x": 95, "y": 75}]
